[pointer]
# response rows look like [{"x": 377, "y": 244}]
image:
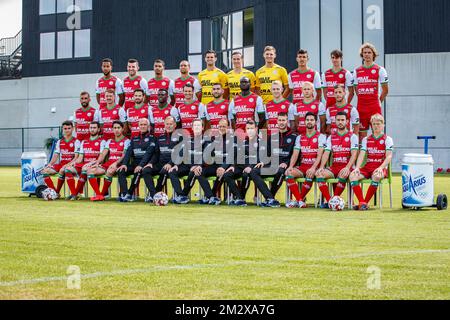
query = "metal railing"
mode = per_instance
[
  {"x": 11, "y": 57},
  {"x": 8, "y": 46}
]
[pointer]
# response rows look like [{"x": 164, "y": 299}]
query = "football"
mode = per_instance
[
  {"x": 336, "y": 203},
  {"x": 160, "y": 199},
  {"x": 49, "y": 194}
]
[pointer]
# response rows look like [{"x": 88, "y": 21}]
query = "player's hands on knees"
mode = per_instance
[
  {"x": 198, "y": 170},
  {"x": 122, "y": 168},
  {"x": 259, "y": 165},
  {"x": 149, "y": 166},
  {"x": 137, "y": 169},
  {"x": 344, "y": 173},
  {"x": 248, "y": 170},
  {"x": 356, "y": 171},
  {"x": 174, "y": 168},
  {"x": 230, "y": 169},
  {"x": 310, "y": 173},
  {"x": 167, "y": 167},
  {"x": 283, "y": 166},
  {"x": 378, "y": 173},
  {"x": 220, "y": 172}
]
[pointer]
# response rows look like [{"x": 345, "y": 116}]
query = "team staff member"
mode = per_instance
[{"x": 209, "y": 76}]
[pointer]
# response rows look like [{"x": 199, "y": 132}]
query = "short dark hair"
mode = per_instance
[
  {"x": 96, "y": 123},
  {"x": 120, "y": 123},
  {"x": 340, "y": 85},
  {"x": 342, "y": 113},
  {"x": 67, "y": 123},
  {"x": 236, "y": 53},
  {"x": 283, "y": 114},
  {"x": 211, "y": 51},
  {"x": 160, "y": 61},
  {"x": 107, "y": 60},
  {"x": 251, "y": 122},
  {"x": 133, "y": 61},
  {"x": 188, "y": 85},
  {"x": 337, "y": 53},
  {"x": 84, "y": 93},
  {"x": 311, "y": 114},
  {"x": 139, "y": 90},
  {"x": 302, "y": 51},
  {"x": 217, "y": 84},
  {"x": 163, "y": 89}
]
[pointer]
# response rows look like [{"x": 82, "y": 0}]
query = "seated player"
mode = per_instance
[
  {"x": 342, "y": 149},
  {"x": 310, "y": 146},
  {"x": 245, "y": 160},
  {"x": 341, "y": 105},
  {"x": 114, "y": 152},
  {"x": 165, "y": 148},
  {"x": 280, "y": 145},
  {"x": 112, "y": 112},
  {"x": 142, "y": 151},
  {"x": 64, "y": 156},
  {"x": 88, "y": 154},
  {"x": 376, "y": 152}
]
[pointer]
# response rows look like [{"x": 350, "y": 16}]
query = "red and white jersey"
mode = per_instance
[
  {"x": 134, "y": 114},
  {"x": 309, "y": 147},
  {"x": 157, "y": 116},
  {"x": 108, "y": 116},
  {"x": 117, "y": 148},
  {"x": 129, "y": 85},
  {"x": 245, "y": 108},
  {"x": 351, "y": 112},
  {"x": 300, "y": 109},
  {"x": 376, "y": 150},
  {"x": 330, "y": 79},
  {"x": 66, "y": 149},
  {"x": 154, "y": 85},
  {"x": 296, "y": 80},
  {"x": 178, "y": 87},
  {"x": 272, "y": 110},
  {"x": 216, "y": 111},
  {"x": 91, "y": 149},
  {"x": 104, "y": 84},
  {"x": 187, "y": 113},
  {"x": 82, "y": 119},
  {"x": 341, "y": 147},
  {"x": 367, "y": 82}
]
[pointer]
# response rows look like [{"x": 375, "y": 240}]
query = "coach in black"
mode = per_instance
[
  {"x": 142, "y": 151},
  {"x": 280, "y": 146}
]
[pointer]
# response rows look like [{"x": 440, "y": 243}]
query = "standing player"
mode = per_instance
[
  {"x": 89, "y": 152},
  {"x": 275, "y": 107},
  {"x": 246, "y": 106},
  {"x": 184, "y": 79},
  {"x": 308, "y": 105},
  {"x": 334, "y": 76},
  {"x": 310, "y": 145},
  {"x": 342, "y": 149},
  {"x": 159, "y": 82},
  {"x": 268, "y": 74},
  {"x": 217, "y": 109},
  {"x": 235, "y": 75},
  {"x": 83, "y": 116},
  {"x": 376, "y": 152},
  {"x": 137, "y": 112},
  {"x": 367, "y": 80},
  {"x": 64, "y": 156},
  {"x": 108, "y": 81},
  {"x": 132, "y": 82},
  {"x": 109, "y": 114},
  {"x": 301, "y": 75},
  {"x": 341, "y": 105},
  {"x": 113, "y": 153},
  {"x": 190, "y": 110},
  {"x": 209, "y": 76},
  {"x": 159, "y": 113}
]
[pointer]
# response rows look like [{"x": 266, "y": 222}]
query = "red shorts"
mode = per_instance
[
  {"x": 57, "y": 167},
  {"x": 364, "y": 118},
  {"x": 303, "y": 168},
  {"x": 367, "y": 172},
  {"x": 335, "y": 170},
  {"x": 107, "y": 164}
]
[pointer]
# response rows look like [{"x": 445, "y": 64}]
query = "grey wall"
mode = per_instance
[{"x": 419, "y": 104}]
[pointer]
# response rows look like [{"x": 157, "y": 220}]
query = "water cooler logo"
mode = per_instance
[
  {"x": 30, "y": 176},
  {"x": 414, "y": 188}
]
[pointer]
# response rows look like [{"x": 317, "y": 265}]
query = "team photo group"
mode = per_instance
[{"x": 226, "y": 130}]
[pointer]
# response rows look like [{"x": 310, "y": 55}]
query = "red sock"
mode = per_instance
[
  {"x": 371, "y": 191},
  {"x": 81, "y": 183},
  {"x": 71, "y": 183},
  {"x": 106, "y": 183},
  {"x": 60, "y": 183},
  {"x": 94, "y": 184},
  {"x": 305, "y": 188},
  {"x": 293, "y": 187},
  {"x": 49, "y": 182},
  {"x": 340, "y": 187},
  {"x": 324, "y": 189},
  {"x": 358, "y": 192}
]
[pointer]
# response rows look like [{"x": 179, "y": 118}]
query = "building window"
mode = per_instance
[
  {"x": 195, "y": 45},
  {"x": 71, "y": 39},
  {"x": 233, "y": 32}
]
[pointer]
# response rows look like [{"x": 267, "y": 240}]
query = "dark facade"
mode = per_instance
[{"x": 148, "y": 30}]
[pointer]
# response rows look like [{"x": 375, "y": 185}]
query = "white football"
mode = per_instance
[
  {"x": 336, "y": 203},
  {"x": 49, "y": 194},
  {"x": 160, "y": 199}
]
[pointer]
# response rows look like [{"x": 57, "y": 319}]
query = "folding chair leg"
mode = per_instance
[
  {"x": 315, "y": 194},
  {"x": 390, "y": 195},
  {"x": 381, "y": 196},
  {"x": 350, "y": 196}
]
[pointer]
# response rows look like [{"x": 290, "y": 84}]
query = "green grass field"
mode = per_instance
[{"x": 139, "y": 251}]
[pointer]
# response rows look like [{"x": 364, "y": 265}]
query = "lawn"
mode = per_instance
[{"x": 139, "y": 251}]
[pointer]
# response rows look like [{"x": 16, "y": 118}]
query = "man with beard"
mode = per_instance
[{"x": 108, "y": 81}]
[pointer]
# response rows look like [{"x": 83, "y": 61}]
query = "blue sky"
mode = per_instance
[{"x": 10, "y": 17}]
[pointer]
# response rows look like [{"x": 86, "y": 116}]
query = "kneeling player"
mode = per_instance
[
  {"x": 115, "y": 150},
  {"x": 311, "y": 146},
  {"x": 343, "y": 148},
  {"x": 63, "y": 157},
  {"x": 378, "y": 147}
]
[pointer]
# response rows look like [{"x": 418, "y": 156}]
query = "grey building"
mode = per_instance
[{"x": 58, "y": 52}]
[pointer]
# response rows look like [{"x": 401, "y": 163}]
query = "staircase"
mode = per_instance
[{"x": 11, "y": 57}]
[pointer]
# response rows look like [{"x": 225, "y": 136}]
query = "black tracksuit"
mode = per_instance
[{"x": 224, "y": 157}]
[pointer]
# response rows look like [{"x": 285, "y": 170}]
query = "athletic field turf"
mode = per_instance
[{"x": 138, "y": 251}]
